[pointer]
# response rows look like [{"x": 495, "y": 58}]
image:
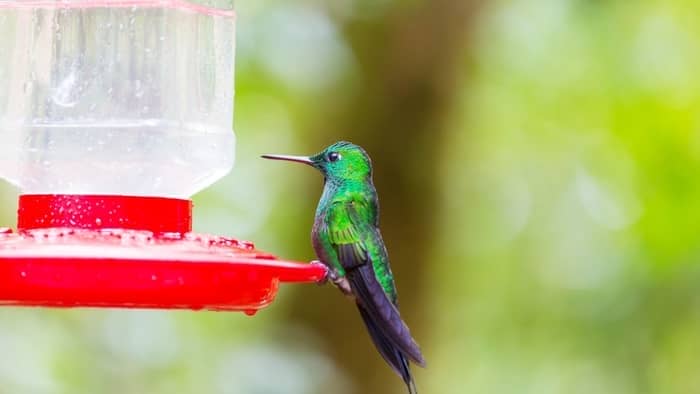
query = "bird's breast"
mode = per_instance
[{"x": 316, "y": 238}]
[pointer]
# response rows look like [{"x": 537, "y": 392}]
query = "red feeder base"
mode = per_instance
[{"x": 81, "y": 263}]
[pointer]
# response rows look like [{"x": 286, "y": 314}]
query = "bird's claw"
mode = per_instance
[
  {"x": 333, "y": 275},
  {"x": 343, "y": 284},
  {"x": 330, "y": 274}
]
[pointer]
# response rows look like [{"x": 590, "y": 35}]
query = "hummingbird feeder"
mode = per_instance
[{"x": 112, "y": 114}]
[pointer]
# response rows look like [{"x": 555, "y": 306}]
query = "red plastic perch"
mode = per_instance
[{"x": 81, "y": 260}]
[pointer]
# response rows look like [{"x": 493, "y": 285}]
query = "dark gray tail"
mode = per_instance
[
  {"x": 382, "y": 312},
  {"x": 392, "y": 355}
]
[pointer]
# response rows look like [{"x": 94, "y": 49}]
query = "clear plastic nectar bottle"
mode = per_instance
[{"x": 126, "y": 97}]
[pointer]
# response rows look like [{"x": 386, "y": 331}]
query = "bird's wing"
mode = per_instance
[
  {"x": 348, "y": 236},
  {"x": 346, "y": 231}
]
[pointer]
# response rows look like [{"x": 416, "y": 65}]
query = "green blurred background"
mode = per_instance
[{"x": 536, "y": 164}]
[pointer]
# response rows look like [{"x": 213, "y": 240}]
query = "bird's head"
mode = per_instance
[{"x": 341, "y": 161}]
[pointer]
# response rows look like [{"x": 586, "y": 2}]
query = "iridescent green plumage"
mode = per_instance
[{"x": 347, "y": 239}]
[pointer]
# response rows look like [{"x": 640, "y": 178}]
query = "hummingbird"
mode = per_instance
[{"x": 347, "y": 240}]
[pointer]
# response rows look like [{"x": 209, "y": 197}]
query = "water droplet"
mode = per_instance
[
  {"x": 65, "y": 93},
  {"x": 250, "y": 312},
  {"x": 138, "y": 89},
  {"x": 98, "y": 221}
]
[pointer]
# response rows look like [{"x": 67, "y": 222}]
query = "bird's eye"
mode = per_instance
[{"x": 334, "y": 156}]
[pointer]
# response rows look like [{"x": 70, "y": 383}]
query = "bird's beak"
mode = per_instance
[{"x": 298, "y": 159}]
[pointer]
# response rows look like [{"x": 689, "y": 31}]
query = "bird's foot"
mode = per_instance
[
  {"x": 331, "y": 274},
  {"x": 341, "y": 282}
]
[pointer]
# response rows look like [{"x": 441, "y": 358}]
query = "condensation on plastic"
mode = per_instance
[{"x": 129, "y": 97}]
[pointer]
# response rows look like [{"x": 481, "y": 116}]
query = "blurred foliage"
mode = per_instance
[{"x": 535, "y": 161}]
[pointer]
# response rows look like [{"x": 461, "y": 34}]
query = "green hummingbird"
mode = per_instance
[{"x": 347, "y": 240}]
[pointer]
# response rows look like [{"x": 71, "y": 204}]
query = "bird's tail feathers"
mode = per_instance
[
  {"x": 382, "y": 312},
  {"x": 389, "y": 352}
]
